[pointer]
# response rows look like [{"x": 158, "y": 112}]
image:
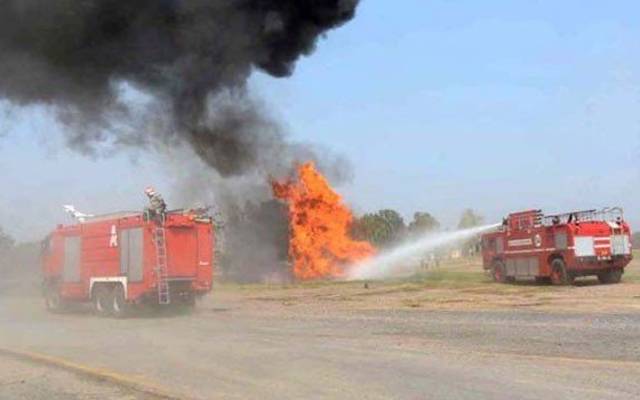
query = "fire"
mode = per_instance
[{"x": 320, "y": 244}]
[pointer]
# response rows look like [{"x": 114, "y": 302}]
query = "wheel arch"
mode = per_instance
[
  {"x": 49, "y": 281},
  {"x": 498, "y": 259},
  {"x": 555, "y": 256},
  {"x": 110, "y": 282}
]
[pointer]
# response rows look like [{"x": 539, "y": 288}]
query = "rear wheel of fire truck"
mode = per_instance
[
  {"x": 102, "y": 301},
  {"x": 119, "y": 306},
  {"x": 559, "y": 274},
  {"x": 188, "y": 300},
  {"x": 497, "y": 272},
  {"x": 53, "y": 300},
  {"x": 611, "y": 276}
]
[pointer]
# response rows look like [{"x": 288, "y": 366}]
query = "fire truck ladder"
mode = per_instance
[{"x": 161, "y": 267}]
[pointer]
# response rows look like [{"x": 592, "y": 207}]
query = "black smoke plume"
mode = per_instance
[{"x": 74, "y": 55}]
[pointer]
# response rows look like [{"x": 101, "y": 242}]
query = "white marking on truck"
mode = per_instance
[
  {"x": 113, "y": 240},
  {"x": 530, "y": 251},
  {"x": 520, "y": 242}
]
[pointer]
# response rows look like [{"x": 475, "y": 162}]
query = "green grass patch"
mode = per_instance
[
  {"x": 438, "y": 278},
  {"x": 631, "y": 276},
  {"x": 281, "y": 286},
  {"x": 449, "y": 278},
  {"x": 429, "y": 280}
]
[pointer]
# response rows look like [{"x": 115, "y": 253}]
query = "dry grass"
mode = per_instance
[
  {"x": 457, "y": 285},
  {"x": 632, "y": 273}
]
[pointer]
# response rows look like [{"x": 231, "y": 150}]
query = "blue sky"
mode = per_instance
[{"x": 439, "y": 105}]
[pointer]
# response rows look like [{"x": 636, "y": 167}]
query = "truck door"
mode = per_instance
[
  {"x": 560, "y": 240},
  {"x": 72, "y": 253}
]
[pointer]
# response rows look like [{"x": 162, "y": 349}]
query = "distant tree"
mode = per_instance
[
  {"x": 422, "y": 223},
  {"x": 6, "y": 241},
  {"x": 469, "y": 219},
  {"x": 6, "y": 245},
  {"x": 382, "y": 228}
]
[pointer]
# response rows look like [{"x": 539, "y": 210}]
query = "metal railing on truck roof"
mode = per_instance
[{"x": 612, "y": 214}]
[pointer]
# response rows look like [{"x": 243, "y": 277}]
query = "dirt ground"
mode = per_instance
[
  {"x": 449, "y": 333},
  {"x": 457, "y": 286}
]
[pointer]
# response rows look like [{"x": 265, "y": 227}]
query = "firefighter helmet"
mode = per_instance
[{"x": 149, "y": 191}]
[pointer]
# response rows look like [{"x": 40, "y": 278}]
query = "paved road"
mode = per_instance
[{"x": 231, "y": 350}]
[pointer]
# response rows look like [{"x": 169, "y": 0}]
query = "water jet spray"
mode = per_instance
[{"x": 387, "y": 263}]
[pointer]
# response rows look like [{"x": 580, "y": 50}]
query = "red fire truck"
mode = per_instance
[
  {"x": 122, "y": 259},
  {"x": 559, "y": 248}
]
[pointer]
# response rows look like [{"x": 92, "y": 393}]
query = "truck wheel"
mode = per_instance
[
  {"x": 119, "y": 306},
  {"x": 498, "y": 273},
  {"x": 190, "y": 302},
  {"x": 52, "y": 299},
  {"x": 102, "y": 304},
  {"x": 611, "y": 276},
  {"x": 183, "y": 303},
  {"x": 559, "y": 274}
]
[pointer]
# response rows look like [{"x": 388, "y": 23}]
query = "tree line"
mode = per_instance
[
  {"x": 386, "y": 227},
  {"x": 6, "y": 241}
]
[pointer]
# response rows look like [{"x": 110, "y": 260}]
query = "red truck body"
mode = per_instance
[
  {"x": 559, "y": 248},
  {"x": 115, "y": 258}
]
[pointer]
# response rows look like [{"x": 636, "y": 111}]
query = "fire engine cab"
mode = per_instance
[
  {"x": 127, "y": 258},
  {"x": 559, "y": 248}
]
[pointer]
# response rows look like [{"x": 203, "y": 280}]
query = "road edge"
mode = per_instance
[{"x": 97, "y": 374}]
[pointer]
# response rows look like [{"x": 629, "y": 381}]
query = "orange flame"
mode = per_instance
[{"x": 320, "y": 245}]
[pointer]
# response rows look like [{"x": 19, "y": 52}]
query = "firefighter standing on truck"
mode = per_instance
[{"x": 157, "y": 206}]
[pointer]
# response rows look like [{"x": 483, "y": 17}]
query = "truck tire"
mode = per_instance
[
  {"x": 189, "y": 302},
  {"x": 498, "y": 272},
  {"x": 559, "y": 273},
  {"x": 119, "y": 306},
  {"x": 102, "y": 302},
  {"x": 610, "y": 277},
  {"x": 182, "y": 303},
  {"x": 52, "y": 299}
]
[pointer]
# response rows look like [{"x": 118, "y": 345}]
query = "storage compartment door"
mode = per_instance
[
  {"x": 182, "y": 250},
  {"x": 72, "y": 252},
  {"x": 131, "y": 253}
]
